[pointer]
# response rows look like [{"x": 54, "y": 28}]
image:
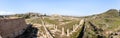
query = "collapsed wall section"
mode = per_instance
[{"x": 10, "y": 28}]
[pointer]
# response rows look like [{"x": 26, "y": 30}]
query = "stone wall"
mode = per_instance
[{"x": 10, "y": 28}]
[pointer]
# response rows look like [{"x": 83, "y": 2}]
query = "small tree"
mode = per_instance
[{"x": 26, "y": 16}]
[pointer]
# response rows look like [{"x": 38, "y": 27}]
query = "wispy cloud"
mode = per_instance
[{"x": 6, "y": 13}]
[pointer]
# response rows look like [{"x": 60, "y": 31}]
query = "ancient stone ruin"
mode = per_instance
[{"x": 12, "y": 27}]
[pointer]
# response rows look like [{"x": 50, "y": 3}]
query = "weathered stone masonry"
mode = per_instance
[{"x": 10, "y": 28}]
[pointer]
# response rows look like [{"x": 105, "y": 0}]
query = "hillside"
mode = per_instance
[
  {"x": 104, "y": 25},
  {"x": 108, "y": 22}
]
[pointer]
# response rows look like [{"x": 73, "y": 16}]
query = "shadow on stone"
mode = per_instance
[
  {"x": 30, "y": 32},
  {"x": 81, "y": 34}
]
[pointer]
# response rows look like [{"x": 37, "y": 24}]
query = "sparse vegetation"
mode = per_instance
[{"x": 109, "y": 20}]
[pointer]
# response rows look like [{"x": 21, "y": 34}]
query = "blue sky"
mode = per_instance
[{"x": 62, "y": 7}]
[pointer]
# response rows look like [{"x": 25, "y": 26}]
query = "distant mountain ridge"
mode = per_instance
[{"x": 108, "y": 13}]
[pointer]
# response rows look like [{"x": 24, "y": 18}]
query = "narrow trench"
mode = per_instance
[
  {"x": 96, "y": 30},
  {"x": 94, "y": 27},
  {"x": 81, "y": 34}
]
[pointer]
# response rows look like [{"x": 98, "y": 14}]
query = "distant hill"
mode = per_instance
[
  {"x": 26, "y": 15},
  {"x": 110, "y": 13},
  {"x": 104, "y": 25},
  {"x": 108, "y": 21}
]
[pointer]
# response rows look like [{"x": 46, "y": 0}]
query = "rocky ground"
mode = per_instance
[{"x": 105, "y": 25}]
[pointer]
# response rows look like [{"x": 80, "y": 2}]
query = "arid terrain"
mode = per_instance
[{"x": 104, "y": 25}]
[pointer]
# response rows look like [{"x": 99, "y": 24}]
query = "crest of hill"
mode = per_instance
[{"x": 110, "y": 13}]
